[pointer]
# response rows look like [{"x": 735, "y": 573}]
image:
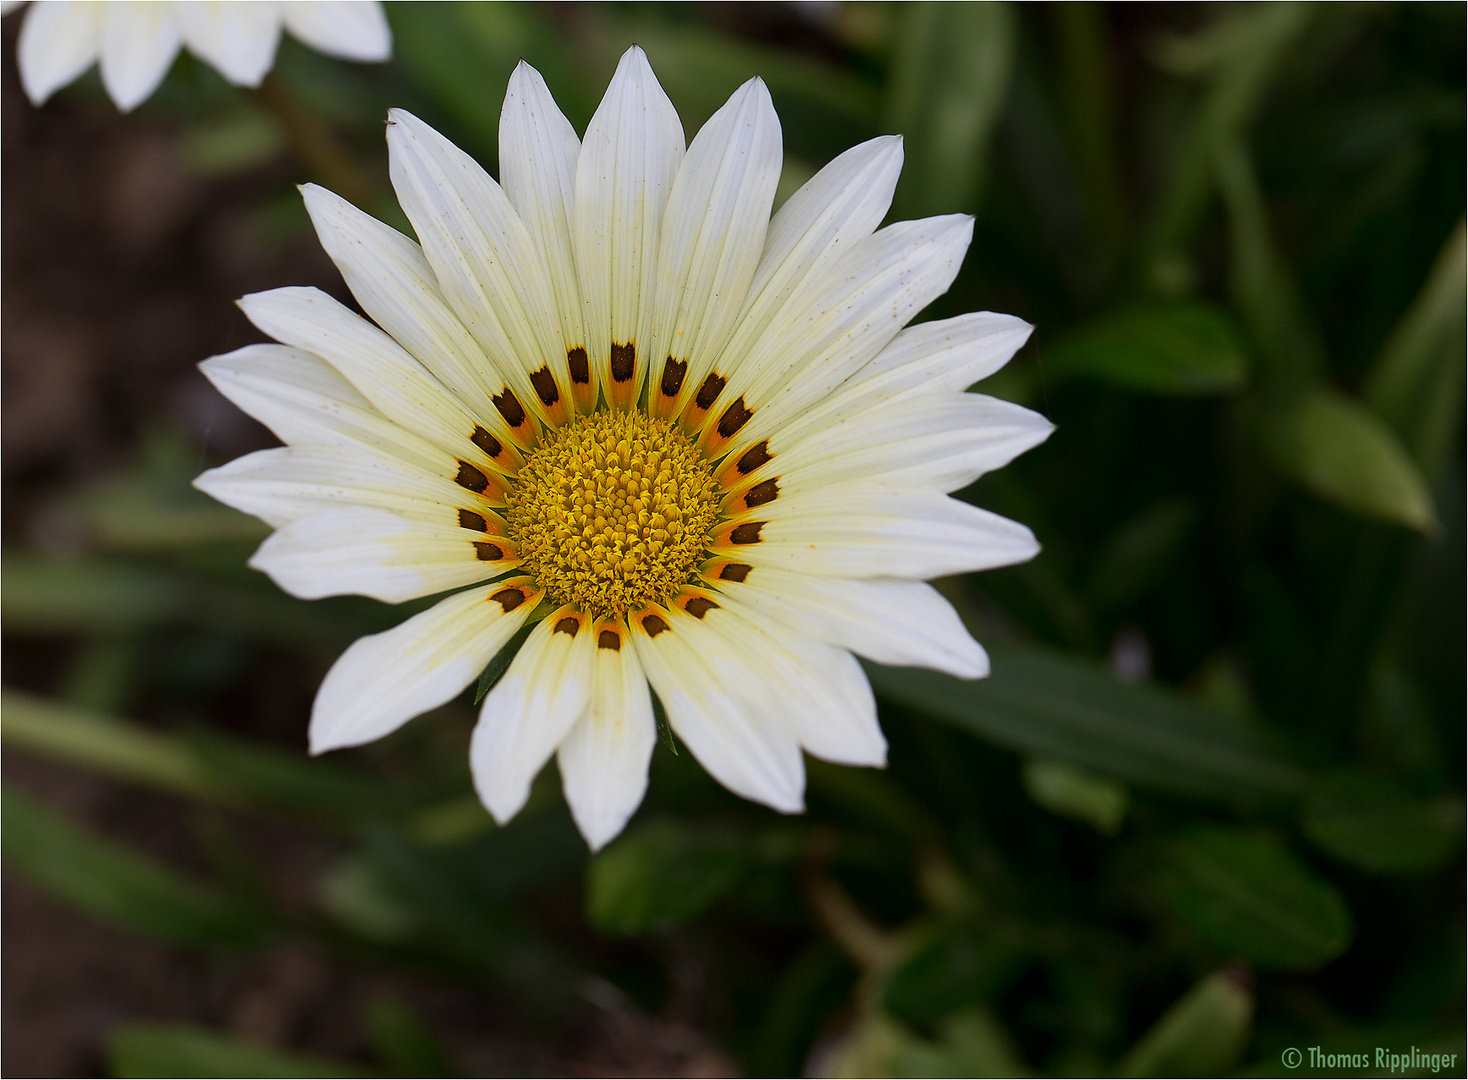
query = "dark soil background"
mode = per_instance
[{"x": 120, "y": 271}]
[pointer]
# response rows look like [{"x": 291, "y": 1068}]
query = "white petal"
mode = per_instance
[
  {"x": 239, "y": 40},
  {"x": 538, "y": 152},
  {"x": 393, "y": 282},
  {"x": 832, "y": 327},
  {"x": 139, "y": 42},
  {"x": 304, "y": 401},
  {"x": 709, "y": 245},
  {"x": 351, "y": 29},
  {"x": 291, "y": 482},
  {"x": 487, "y": 267},
  {"x": 605, "y": 758},
  {"x": 364, "y": 551},
  {"x": 858, "y": 530},
  {"x": 938, "y": 357},
  {"x": 938, "y": 441},
  {"x": 818, "y": 690},
  {"x": 629, "y": 158},
  {"x": 383, "y": 681},
  {"x": 59, "y": 39},
  {"x": 531, "y": 711},
  {"x": 903, "y": 623},
  {"x": 396, "y": 384},
  {"x": 721, "y": 706}
]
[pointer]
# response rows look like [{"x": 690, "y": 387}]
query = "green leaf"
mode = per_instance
[
  {"x": 52, "y": 596},
  {"x": 813, "y": 987},
  {"x": 1416, "y": 383},
  {"x": 102, "y": 744},
  {"x": 1180, "y": 350},
  {"x": 467, "y": 924},
  {"x": 1087, "y": 95},
  {"x": 1048, "y": 705},
  {"x": 113, "y": 883},
  {"x": 91, "y": 597},
  {"x": 1203, "y": 1034},
  {"x": 402, "y": 1040},
  {"x": 953, "y": 968},
  {"x": 184, "y": 1050},
  {"x": 1337, "y": 450},
  {"x": 352, "y": 889},
  {"x": 1246, "y": 895},
  {"x": 949, "y": 82},
  {"x": 1074, "y": 793},
  {"x": 202, "y": 764},
  {"x": 262, "y": 776},
  {"x": 970, "y": 1043},
  {"x": 1262, "y": 288},
  {"x": 232, "y": 141},
  {"x": 1370, "y": 822},
  {"x": 1139, "y": 554},
  {"x": 658, "y": 876},
  {"x": 1245, "y": 48}
]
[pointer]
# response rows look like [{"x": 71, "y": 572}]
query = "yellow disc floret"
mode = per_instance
[{"x": 613, "y": 511}]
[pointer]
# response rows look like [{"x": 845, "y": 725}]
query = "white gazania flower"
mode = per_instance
[
  {"x": 692, "y": 444},
  {"x": 135, "y": 41}
]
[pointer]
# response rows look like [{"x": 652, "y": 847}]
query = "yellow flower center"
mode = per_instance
[{"x": 613, "y": 511}]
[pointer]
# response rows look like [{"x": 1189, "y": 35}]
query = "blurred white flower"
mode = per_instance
[
  {"x": 135, "y": 41},
  {"x": 611, "y": 394}
]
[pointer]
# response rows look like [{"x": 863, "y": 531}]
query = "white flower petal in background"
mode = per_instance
[
  {"x": 349, "y": 29},
  {"x": 237, "y": 40},
  {"x": 139, "y": 43},
  {"x": 136, "y": 41},
  {"x": 59, "y": 40},
  {"x": 706, "y": 440}
]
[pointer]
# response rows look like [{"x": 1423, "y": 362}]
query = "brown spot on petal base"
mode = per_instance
[
  {"x": 609, "y": 639},
  {"x": 709, "y": 392},
  {"x": 471, "y": 478},
  {"x": 569, "y": 625},
  {"x": 486, "y": 442},
  {"x": 624, "y": 361},
  {"x": 735, "y": 571},
  {"x": 734, "y": 418},
  {"x": 698, "y": 606},
  {"x": 578, "y": 365},
  {"x": 484, "y": 551},
  {"x": 654, "y": 624},
  {"x": 673, "y": 373},
  {"x": 545, "y": 387},
  {"x": 468, "y": 519},
  {"x": 510, "y": 408},
  {"x": 760, "y": 494},
  {"x": 754, "y": 457},
  {"x": 509, "y": 599},
  {"x": 748, "y": 533}
]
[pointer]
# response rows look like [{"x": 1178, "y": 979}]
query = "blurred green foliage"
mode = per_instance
[{"x": 1210, "y": 803}]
